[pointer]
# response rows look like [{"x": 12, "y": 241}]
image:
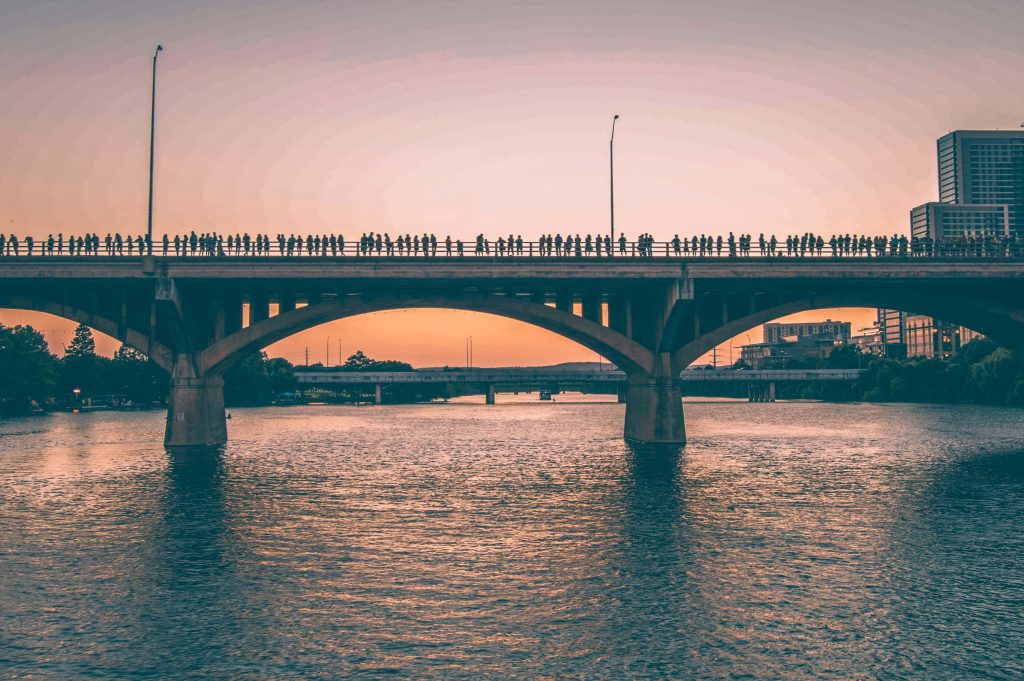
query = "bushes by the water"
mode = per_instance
[{"x": 982, "y": 373}]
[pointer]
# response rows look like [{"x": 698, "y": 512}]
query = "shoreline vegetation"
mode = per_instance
[{"x": 37, "y": 381}]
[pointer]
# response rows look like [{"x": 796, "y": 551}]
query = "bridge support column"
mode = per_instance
[
  {"x": 490, "y": 394},
  {"x": 377, "y": 397},
  {"x": 195, "y": 413},
  {"x": 621, "y": 393},
  {"x": 771, "y": 391},
  {"x": 654, "y": 407}
]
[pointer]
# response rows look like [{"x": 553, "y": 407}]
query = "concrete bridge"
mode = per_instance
[
  {"x": 761, "y": 383},
  {"x": 650, "y": 317}
]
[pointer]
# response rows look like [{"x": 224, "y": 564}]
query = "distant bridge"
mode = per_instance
[
  {"x": 761, "y": 382},
  {"x": 652, "y": 318}
]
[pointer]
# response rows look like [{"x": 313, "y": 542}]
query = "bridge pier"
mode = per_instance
[
  {"x": 377, "y": 396},
  {"x": 654, "y": 406},
  {"x": 195, "y": 413},
  {"x": 654, "y": 411},
  {"x": 761, "y": 392},
  {"x": 490, "y": 394}
]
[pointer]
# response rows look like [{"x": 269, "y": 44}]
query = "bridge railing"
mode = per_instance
[{"x": 323, "y": 249}]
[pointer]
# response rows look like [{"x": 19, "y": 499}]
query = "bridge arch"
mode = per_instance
[
  {"x": 997, "y": 320},
  {"x": 627, "y": 354},
  {"x": 159, "y": 353}
]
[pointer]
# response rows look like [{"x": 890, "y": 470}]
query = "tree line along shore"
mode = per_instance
[{"x": 35, "y": 380}]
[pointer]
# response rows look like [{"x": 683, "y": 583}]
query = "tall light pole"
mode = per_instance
[
  {"x": 152, "y": 136},
  {"x": 611, "y": 177}
]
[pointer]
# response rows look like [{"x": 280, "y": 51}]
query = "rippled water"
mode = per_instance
[{"x": 522, "y": 540}]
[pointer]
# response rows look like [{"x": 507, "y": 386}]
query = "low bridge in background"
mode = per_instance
[
  {"x": 760, "y": 383},
  {"x": 652, "y": 318}
]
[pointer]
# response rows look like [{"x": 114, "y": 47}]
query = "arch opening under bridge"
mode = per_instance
[
  {"x": 120, "y": 330},
  {"x": 997, "y": 320}
]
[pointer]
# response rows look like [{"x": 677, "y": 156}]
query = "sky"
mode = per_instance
[{"x": 469, "y": 117}]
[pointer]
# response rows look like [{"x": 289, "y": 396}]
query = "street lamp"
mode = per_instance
[
  {"x": 611, "y": 178},
  {"x": 152, "y": 135}
]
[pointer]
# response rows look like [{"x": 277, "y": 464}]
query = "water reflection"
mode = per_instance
[
  {"x": 652, "y": 589},
  {"x": 521, "y": 541},
  {"x": 193, "y": 512},
  {"x": 956, "y": 563}
]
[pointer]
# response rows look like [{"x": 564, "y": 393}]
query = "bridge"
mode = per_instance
[
  {"x": 651, "y": 317},
  {"x": 761, "y": 383}
]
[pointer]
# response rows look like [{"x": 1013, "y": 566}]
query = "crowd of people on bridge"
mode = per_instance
[{"x": 213, "y": 244}]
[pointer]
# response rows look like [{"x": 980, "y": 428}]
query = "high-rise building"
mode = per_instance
[
  {"x": 981, "y": 194},
  {"x": 984, "y": 167},
  {"x": 954, "y": 222},
  {"x": 892, "y": 329}
]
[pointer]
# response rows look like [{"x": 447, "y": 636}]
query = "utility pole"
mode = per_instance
[
  {"x": 307, "y": 355},
  {"x": 714, "y": 357},
  {"x": 327, "y": 362}
]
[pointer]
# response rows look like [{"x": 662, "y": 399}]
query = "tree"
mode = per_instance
[
  {"x": 83, "y": 344},
  {"x": 28, "y": 369},
  {"x": 992, "y": 380},
  {"x": 357, "y": 362},
  {"x": 136, "y": 377},
  {"x": 360, "y": 362},
  {"x": 282, "y": 376},
  {"x": 257, "y": 380},
  {"x": 81, "y": 368}
]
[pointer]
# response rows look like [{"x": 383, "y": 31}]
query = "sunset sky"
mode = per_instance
[{"x": 460, "y": 117}]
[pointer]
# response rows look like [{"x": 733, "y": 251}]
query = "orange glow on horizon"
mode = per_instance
[{"x": 429, "y": 337}]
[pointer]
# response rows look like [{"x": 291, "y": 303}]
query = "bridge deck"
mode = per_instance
[
  {"x": 501, "y": 376},
  {"x": 484, "y": 268}
]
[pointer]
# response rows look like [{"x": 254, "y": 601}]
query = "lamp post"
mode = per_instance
[
  {"x": 152, "y": 136},
  {"x": 611, "y": 178}
]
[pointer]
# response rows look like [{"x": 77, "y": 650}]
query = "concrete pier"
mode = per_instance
[
  {"x": 195, "y": 413},
  {"x": 654, "y": 411},
  {"x": 761, "y": 392},
  {"x": 654, "y": 405}
]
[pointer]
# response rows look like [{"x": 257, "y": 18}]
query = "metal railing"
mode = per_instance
[{"x": 324, "y": 248}]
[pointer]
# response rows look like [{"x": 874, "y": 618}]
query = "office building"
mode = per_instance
[
  {"x": 984, "y": 167},
  {"x": 776, "y": 332},
  {"x": 892, "y": 329},
  {"x": 795, "y": 342},
  {"x": 954, "y": 222},
  {"x": 931, "y": 338}
]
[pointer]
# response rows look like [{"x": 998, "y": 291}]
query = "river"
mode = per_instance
[{"x": 522, "y": 540}]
